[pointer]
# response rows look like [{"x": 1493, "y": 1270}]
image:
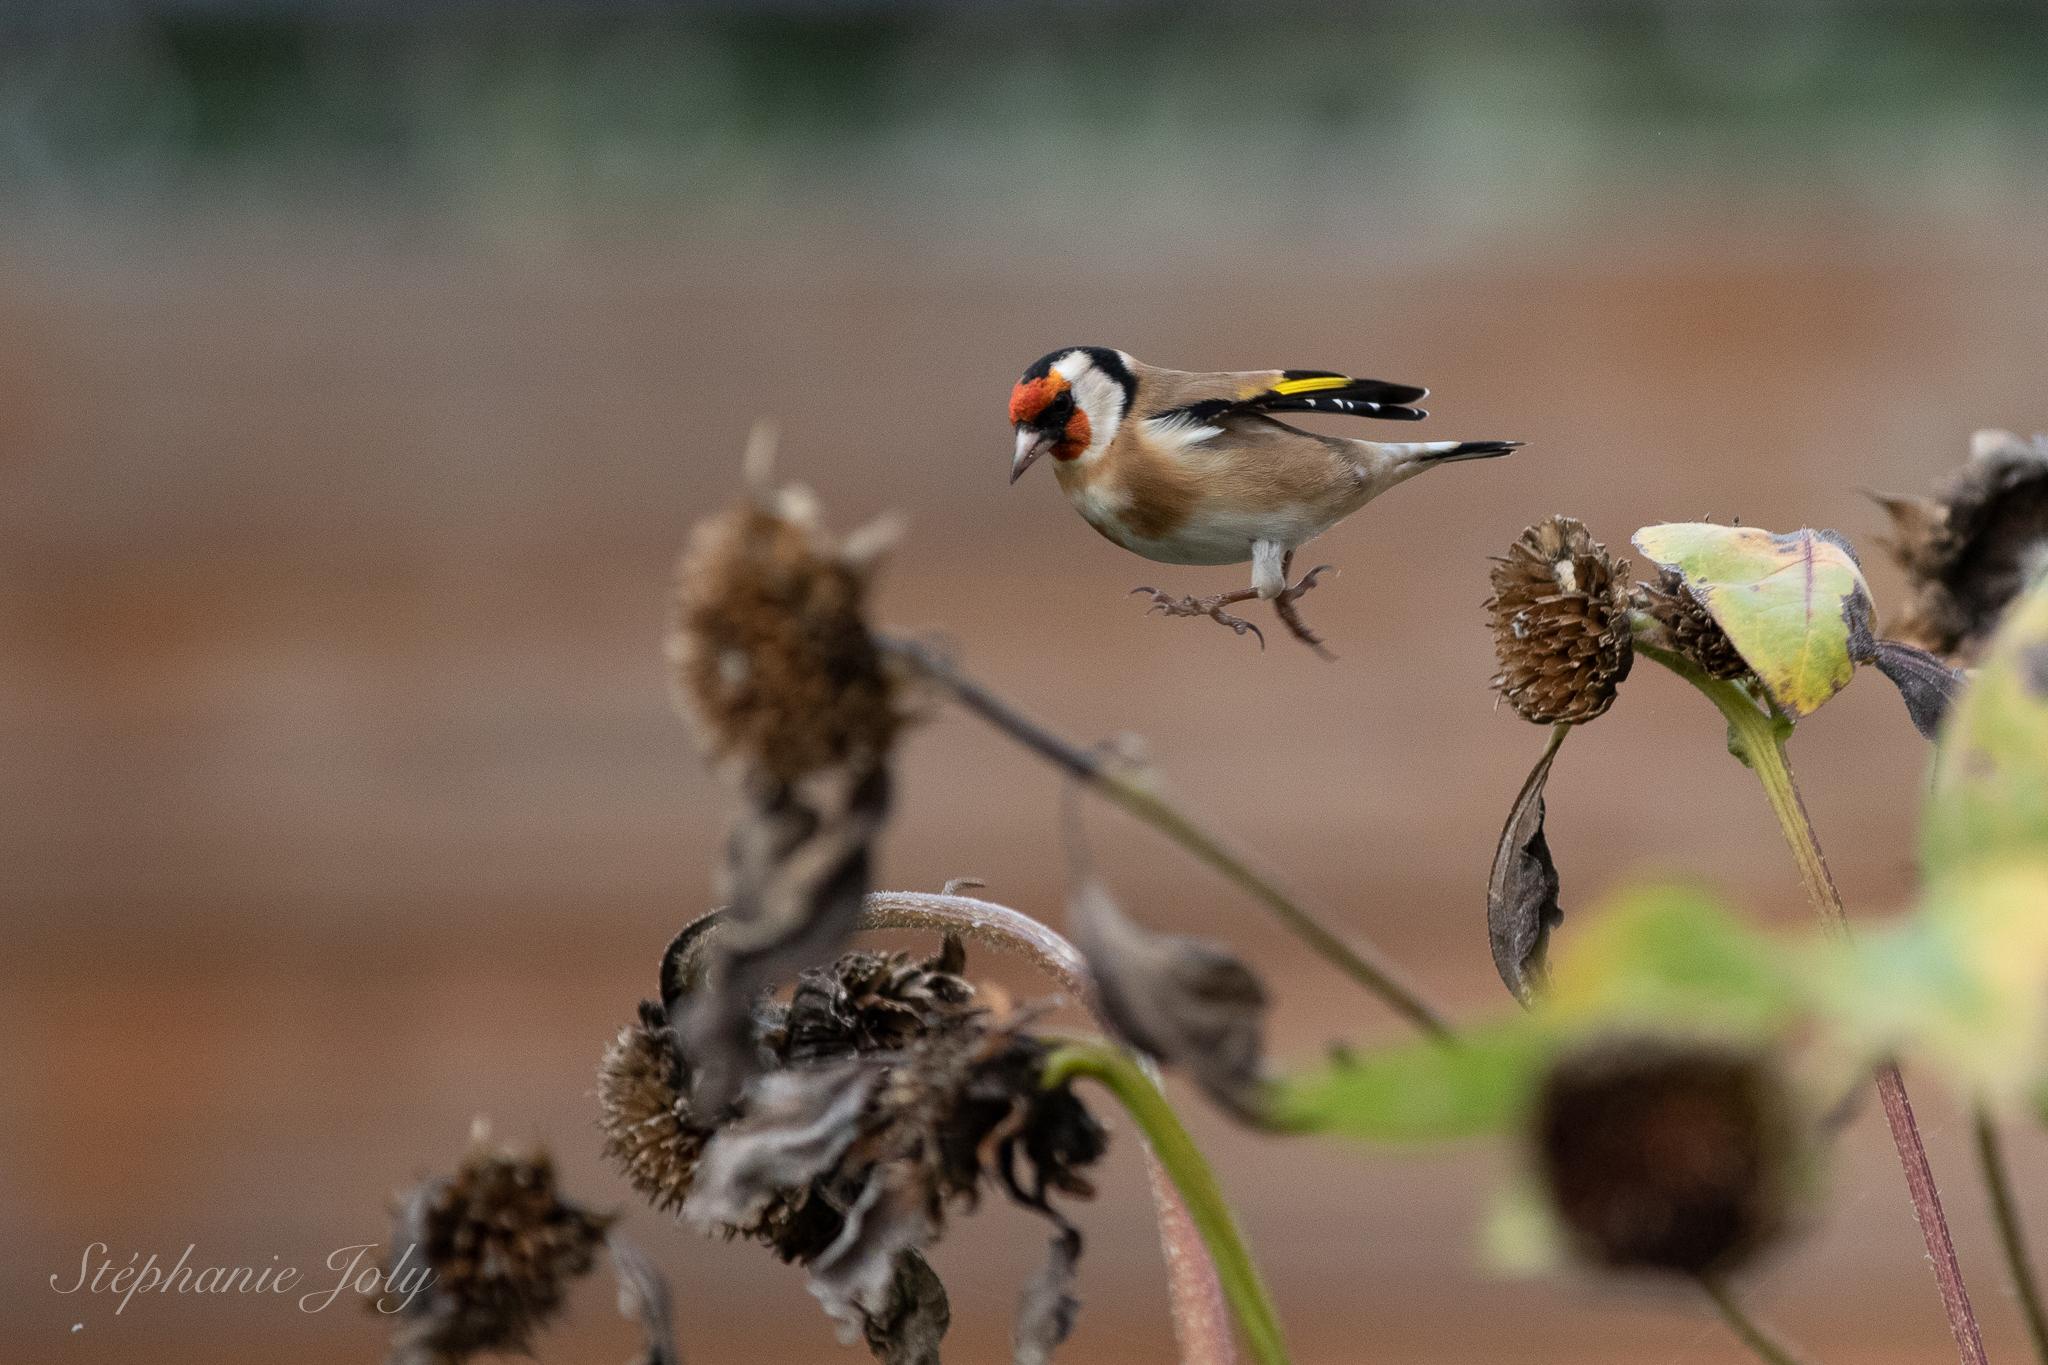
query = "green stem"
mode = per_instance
[
  {"x": 1191, "y": 1175},
  {"x": 1757, "y": 739},
  {"x": 1125, "y": 787},
  {"x": 1766, "y": 1347},
  {"x": 2005, "y": 1212}
]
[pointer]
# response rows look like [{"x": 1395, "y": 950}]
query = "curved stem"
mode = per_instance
[
  {"x": 1756, "y": 738},
  {"x": 1191, "y": 1175},
  {"x": 2005, "y": 1212},
  {"x": 1201, "y": 1317},
  {"x": 1125, "y": 787},
  {"x": 1766, "y": 1347}
]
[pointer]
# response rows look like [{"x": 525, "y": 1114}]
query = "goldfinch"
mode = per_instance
[{"x": 1192, "y": 468}]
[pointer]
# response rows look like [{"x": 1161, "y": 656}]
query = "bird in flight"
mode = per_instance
[{"x": 1191, "y": 467}]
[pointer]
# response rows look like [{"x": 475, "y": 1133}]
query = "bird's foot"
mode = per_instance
[
  {"x": 1212, "y": 607},
  {"x": 1283, "y": 607}
]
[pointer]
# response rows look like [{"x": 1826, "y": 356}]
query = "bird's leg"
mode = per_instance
[
  {"x": 1211, "y": 607},
  {"x": 1283, "y": 605}
]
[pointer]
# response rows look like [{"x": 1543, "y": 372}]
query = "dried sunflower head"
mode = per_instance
[
  {"x": 503, "y": 1246},
  {"x": 1664, "y": 1155},
  {"x": 771, "y": 650},
  {"x": 891, "y": 1092},
  {"x": 870, "y": 1002},
  {"x": 1970, "y": 549},
  {"x": 1691, "y": 632},
  {"x": 1560, "y": 624},
  {"x": 650, "y": 1131}
]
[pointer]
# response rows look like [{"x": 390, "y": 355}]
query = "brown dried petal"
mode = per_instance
[
  {"x": 1047, "y": 1308},
  {"x": 1521, "y": 895},
  {"x": 1970, "y": 549},
  {"x": 1927, "y": 684},
  {"x": 1188, "y": 1003},
  {"x": 797, "y": 1126},
  {"x": 910, "y": 1332},
  {"x": 1560, "y": 624},
  {"x": 855, "y": 1278},
  {"x": 644, "y": 1299},
  {"x": 1663, "y": 1155}
]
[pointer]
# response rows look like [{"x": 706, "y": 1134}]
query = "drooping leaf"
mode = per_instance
[
  {"x": 1419, "y": 1092},
  {"x": 1990, "y": 792},
  {"x": 915, "y": 1323},
  {"x": 1185, "y": 1002},
  {"x": 1795, "y": 605},
  {"x": 1928, "y": 685},
  {"x": 1521, "y": 894}
]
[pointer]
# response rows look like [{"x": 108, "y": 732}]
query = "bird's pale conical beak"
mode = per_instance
[{"x": 1030, "y": 445}]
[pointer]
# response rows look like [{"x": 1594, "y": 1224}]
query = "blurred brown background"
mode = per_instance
[{"x": 361, "y": 371}]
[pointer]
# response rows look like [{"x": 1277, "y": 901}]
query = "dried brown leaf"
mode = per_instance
[
  {"x": 1521, "y": 895},
  {"x": 1187, "y": 1003}
]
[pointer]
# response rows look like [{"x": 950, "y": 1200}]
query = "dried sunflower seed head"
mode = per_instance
[
  {"x": 1970, "y": 549},
  {"x": 650, "y": 1131},
  {"x": 503, "y": 1246},
  {"x": 871, "y": 1002},
  {"x": 1664, "y": 1155},
  {"x": 1691, "y": 632},
  {"x": 1560, "y": 624},
  {"x": 772, "y": 655}
]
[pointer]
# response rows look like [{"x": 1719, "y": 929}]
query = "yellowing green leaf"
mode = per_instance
[
  {"x": 1794, "y": 605},
  {"x": 1990, "y": 793}
]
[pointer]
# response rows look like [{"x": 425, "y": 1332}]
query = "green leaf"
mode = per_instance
[
  {"x": 1990, "y": 793},
  {"x": 1672, "y": 957},
  {"x": 1419, "y": 1092},
  {"x": 1795, "y": 605}
]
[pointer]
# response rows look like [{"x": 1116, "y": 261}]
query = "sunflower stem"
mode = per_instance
[
  {"x": 1191, "y": 1176},
  {"x": 2005, "y": 1212},
  {"x": 1125, "y": 786},
  {"x": 1757, "y": 739}
]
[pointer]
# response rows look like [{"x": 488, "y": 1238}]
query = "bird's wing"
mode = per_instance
[{"x": 1200, "y": 402}]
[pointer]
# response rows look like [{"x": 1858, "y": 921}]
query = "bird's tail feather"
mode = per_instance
[{"x": 1419, "y": 453}]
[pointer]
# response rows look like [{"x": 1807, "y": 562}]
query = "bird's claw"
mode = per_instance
[
  {"x": 1165, "y": 604},
  {"x": 1283, "y": 607}
]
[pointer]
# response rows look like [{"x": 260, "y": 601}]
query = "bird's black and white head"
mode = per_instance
[{"x": 1069, "y": 405}]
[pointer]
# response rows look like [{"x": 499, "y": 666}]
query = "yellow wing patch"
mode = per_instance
[{"x": 1328, "y": 381}]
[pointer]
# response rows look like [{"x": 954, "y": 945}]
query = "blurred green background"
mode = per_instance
[{"x": 363, "y": 364}]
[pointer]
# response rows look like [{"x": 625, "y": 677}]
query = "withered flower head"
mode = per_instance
[
  {"x": 871, "y": 1002},
  {"x": 772, "y": 655},
  {"x": 1970, "y": 549},
  {"x": 774, "y": 662},
  {"x": 1663, "y": 1155},
  {"x": 1560, "y": 624},
  {"x": 650, "y": 1131},
  {"x": 503, "y": 1246},
  {"x": 1691, "y": 632},
  {"x": 894, "y": 1092}
]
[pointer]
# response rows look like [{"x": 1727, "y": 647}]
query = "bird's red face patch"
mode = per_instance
[
  {"x": 1047, "y": 403},
  {"x": 1033, "y": 396}
]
